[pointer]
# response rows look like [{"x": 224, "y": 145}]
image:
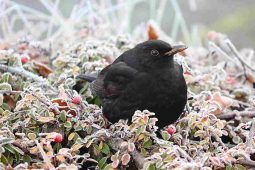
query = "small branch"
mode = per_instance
[
  {"x": 9, "y": 92},
  {"x": 251, "y": 134},
  {"x": 242, "y": 103},
  {"x": 45, "y": 157},
  {"x": 219, "y": 140},
  {"x": 249, "y": 163},
  {"x": 22, "y": 72},
  {"x": 221, "y": 52},
  {"x": 23, "y": 148},
  {"x": 46, "y": 103},
  {"x": 184, "y": 154},
  {"x": 115, "y": 144},
  {"x": 237, "y": 55},
  {"x": 234, "y": 114}
]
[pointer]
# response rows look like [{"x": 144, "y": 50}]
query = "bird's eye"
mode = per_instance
[{"x": 154, "y": 52}]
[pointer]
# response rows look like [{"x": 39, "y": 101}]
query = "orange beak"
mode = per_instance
[{"x": 176, "y": 49}]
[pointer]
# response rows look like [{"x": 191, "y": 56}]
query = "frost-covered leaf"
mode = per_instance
[{"x": 125, "y": 159}]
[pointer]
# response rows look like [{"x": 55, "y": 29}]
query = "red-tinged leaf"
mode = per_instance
[
  {"x": 42, "y": 69},
  {"x": 125, "y": 159},
  {"x": 152, "y": 34},
  {"x": 10, "y": 101},
  {"x": 4, "y": 46}
]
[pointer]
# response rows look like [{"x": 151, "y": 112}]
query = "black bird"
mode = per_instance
[{"x": 145, "y": 77}]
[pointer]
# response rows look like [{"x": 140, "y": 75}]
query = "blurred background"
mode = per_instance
[{"x": 182, "y": 20}]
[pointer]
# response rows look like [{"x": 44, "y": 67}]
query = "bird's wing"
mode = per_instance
[{"x": 113, "y": 79}]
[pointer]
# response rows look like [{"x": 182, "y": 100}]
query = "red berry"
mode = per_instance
[
  {"x": 171, "y": 129},
  {"x": 208, "y": 97},
  {"x": 58, "y": 138},
  {"x": 230, "y": 80},
  {"x": 24, "y": 60},
  {"x": 76, "y": 100},
  {"x": 212, "y": 35}
]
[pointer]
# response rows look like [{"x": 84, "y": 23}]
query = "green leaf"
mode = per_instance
[
  {"x": 18, "y": 150},
  {"x": 6, "y": 106},
  {"x": 16, "y": 97},
  {"x": 147, "y": 144},
  {"x": 6, "y": 141},
  {"x": 228, "y": 167},
  {"x": 63, "y": 116},
  {"x": 9, "y": 148},
  {"x": 106, "y": 149},
  {"x": 108, "y": 167},
  {"x": 78, "y": 128},
  {"x": 143, "y": 152},
  {"x": 10, "y": 159},
  {"x": 240, "y": 167},
  {"x": 89, "y": 129},
  {"x": 57, "y": 147},
  {"x": 14, "y": 150},
  {"x": 152, "y": 167},
  {"x": 36, "y": 130},
  {"x": 17, "y": 156},
  {"x": 138, "y": 131},
  {"x": 27, "y": 158},
  {"x": 5, "y": 86},
  {"x": 96, "y": 149},
  {"x": 165, "y": 135},
  {"x": 102, "y": 162},
  {"x": 68, "y": 125},
  {"x": 6, "y": 77},
  {"x": 94, "y": 100},
  {"x": 4, "y": 160}
]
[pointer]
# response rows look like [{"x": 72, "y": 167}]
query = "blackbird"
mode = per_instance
[{"x": 145, "y": 77}]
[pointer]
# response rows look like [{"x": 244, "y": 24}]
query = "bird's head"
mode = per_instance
[{"x": 157, "y": 51}]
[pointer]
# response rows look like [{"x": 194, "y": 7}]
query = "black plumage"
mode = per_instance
[{"x": 145, "y": 77}]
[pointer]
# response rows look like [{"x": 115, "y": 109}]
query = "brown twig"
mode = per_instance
[
  {"x": 234, "y": 114},
  {"x": 23, "y": 148}
]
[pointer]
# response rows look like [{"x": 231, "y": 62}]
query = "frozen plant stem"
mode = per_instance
[
  {"x": 234, "y": 114},
  {"x": 9, "y": 92},
  {"x": 22, "y": 73},
  {"x": 236, "y": 53},
  {"x": 249, "y": 163},
  {"x": 222, "y": 52},
  {"x": 45, "y": 157},
  {"x": 184, "y": 154}
]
